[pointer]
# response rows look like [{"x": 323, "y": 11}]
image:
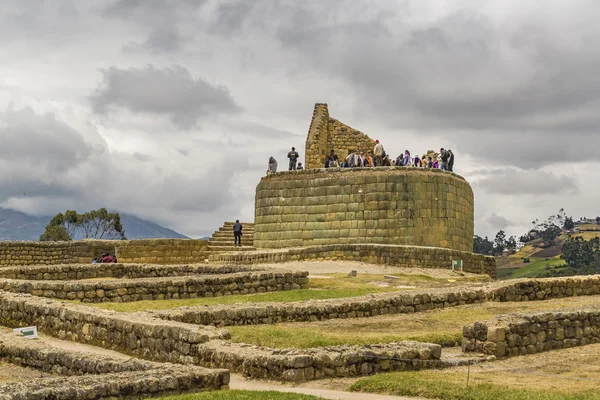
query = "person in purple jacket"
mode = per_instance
[{"x": 406, "y": 161}]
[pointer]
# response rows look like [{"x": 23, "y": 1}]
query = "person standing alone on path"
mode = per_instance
[
  {"x": 237, "y": 233},
  {"x": 378, "y": 152},
  {"x": 293, "y": 156}
]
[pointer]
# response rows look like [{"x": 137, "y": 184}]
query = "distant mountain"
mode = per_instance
[{"x": 15, "y": 225}]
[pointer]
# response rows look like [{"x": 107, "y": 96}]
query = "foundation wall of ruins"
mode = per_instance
[
  {"x": 387, "y": 205},
  {"x": 155, "y": 251}
]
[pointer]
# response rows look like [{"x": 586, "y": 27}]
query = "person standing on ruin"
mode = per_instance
[
  {"x": 444, "y": 159},
  {"x": 368, "y": 160},
  {"x": 272, "y": 168},
  {"x": 450, "y": 160},
  {"x": 332, "y": 160},
  {"x": 378, "y": 152},
  {"x": 293, "y": 156},
  {"x": 406, "y": 161},
  {"x": 237, "y": 233}
]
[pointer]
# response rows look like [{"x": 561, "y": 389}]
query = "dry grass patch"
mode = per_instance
[
  {"x": 562, "y": 374},
  {"x": 442, "y": 326}
]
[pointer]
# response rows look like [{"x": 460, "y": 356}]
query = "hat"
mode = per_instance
[{"x": 377, "y": 141}]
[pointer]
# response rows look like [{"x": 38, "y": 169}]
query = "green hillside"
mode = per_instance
[{"x": 540, "y": 259}]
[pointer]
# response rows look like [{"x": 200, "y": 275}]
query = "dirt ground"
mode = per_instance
[
  {"x": 15, "y": 373},
  {"x": 329, "y": 267}
]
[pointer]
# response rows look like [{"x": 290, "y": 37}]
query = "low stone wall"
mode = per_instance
[
  {"x": 185, "y": 287},
  {"x": 514, "y": 335},
  {"x": 154, "y": 339},
  {"x": 136, "y": 334},
  {"x": 122, "y": 385},
  {"x": 381, "y": 304},
  {"x": 90, "y": 271},
  {"x": 293, "y": 365},
  {"x": 155, "y": 251},
  {"x": 399, "y": 256}
]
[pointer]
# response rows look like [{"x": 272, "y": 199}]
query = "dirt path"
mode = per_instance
[
  {"x": 329, "y": 267},
  {"x": 70, "y": 346},
  {"x": 327, "y": 389}
]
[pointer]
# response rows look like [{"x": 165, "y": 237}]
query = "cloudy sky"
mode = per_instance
[{"x": 169, "y": 109}]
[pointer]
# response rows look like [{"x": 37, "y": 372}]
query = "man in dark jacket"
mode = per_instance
[
  {"x": 444, "y": 156},
  {"x": 237, "y": 233},
  {"x": 293, "y": 156},
  {"x": 332, "y": 160},
  {"x": 450, "y": 160}
]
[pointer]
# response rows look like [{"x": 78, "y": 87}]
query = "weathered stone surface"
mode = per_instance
[
  {"x": 156, "y": 251},
  {"x": 387, "y": 205},
  {"x": 533, "y": 333},
  {"x": 126, "y": 290},
  {"x": 326, "y": 133}
]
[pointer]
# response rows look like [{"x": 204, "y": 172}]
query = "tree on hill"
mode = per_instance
[
  {"x": 550, "y": 229},
  {"x": 511, "y": 243},
  {"x": 598, "y": 220},
  {"x": 95, "y": 224},
  {"x": 483, "y": 246},
  {"x": 568, "y": 224},
  {"x": 499, "y": 242}
]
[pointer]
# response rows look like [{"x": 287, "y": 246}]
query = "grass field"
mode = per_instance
[
  {"x": 568, "y": 374},
  {"x": 529, "y": 270},
  {"x": 241, "y": 395},
  {"x": 440, "y": 326},
  {"x": 337, "y": 286}
]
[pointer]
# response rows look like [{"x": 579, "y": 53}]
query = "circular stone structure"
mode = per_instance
[{"x": 384, "y": 205}]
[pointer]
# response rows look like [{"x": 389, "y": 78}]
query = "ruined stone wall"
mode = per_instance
[
  {"x": 398, "y": 256},
  {"x": 345, "y": 139},
  {"x": 514, "y": 335},
  {"x": 385, "y": 303},
  {"x": 156, "y": 251},
  {"x": 386, "y": 205},
  {"x": 186, "y": 287},
  {"x": 326, "y": 133},
  {"x": 316, "y": 142}
]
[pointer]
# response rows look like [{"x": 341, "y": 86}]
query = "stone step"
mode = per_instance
[
  {"x": 227, "y": 235},
  {"x": 222, "y": 249},
  {"x": 222, "y": 229},
  {"x": 227, "y": 243},
  {"x": 243, "y": 223}
]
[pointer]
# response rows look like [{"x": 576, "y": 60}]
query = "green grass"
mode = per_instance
[
  {"x": 432, "y": 387},
  {"x": 241, "y": 395},
  {"x": 305, "y": 338},
  {"x": 529, "y": 270}
]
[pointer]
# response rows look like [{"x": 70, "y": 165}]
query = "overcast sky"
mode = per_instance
[{"x": 169, "y": 109}]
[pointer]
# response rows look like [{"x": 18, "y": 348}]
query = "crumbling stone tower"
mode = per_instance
[{"x": 326, "y": 133}]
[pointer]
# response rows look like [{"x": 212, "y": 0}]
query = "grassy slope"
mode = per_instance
[
  {"x": 432, "y": 387},
  {"x": 514, "y": 267},
  {"x": 241, "y": 395},
  {"x": 437, "y": 326}
]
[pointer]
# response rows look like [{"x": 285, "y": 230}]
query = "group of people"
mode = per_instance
[
  {"x": 378, "y": 158},
  {"x": 106, "y": 258},
  {"x": 294, "y": 164}
]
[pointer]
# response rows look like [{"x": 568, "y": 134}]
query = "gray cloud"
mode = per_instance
[
  {"x": 498, "y": 222},
  {"x": 527, "y": 182},
  {"x": 41, "y": 141},
  {"x": 160, "y": 40},
  {"x": 172, "y": 92}
]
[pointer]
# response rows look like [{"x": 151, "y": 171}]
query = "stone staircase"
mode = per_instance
[{"x": 222, "y": 240}]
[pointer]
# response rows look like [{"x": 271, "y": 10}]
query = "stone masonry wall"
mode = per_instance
[
  {"x": 514, "y": 335},
  {"x": 316, "y": 142},
  {"x": 345, "y": 139},
  {"x": 399, "y": 256},
  {"x": 145, "y": 336},
  {"x": 66, "y": 272},
  {"x": 326, "y": 133},
  {"x": 385, "y": 303},
  {"x": 156, "y": 251},
  {"x": 186, "y": 287},
  {"x": 386, "y": 205}
]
